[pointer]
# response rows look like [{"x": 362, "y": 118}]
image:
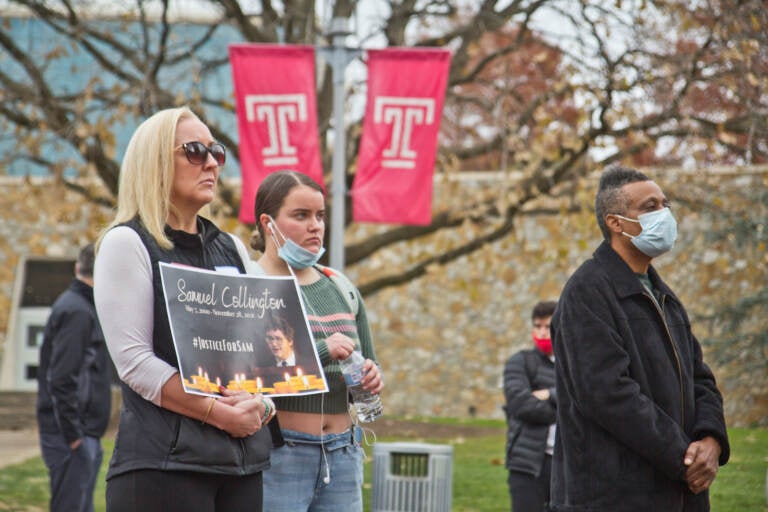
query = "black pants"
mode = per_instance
[
  {"x": 528, "y": 493},
  {"x": 183, "y": 491}
]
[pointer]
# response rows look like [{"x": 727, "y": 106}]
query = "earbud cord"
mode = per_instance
[{"x": 271, "y": 224}]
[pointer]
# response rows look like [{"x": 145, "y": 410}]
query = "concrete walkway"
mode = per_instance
[{"x": 17, "y": 446}]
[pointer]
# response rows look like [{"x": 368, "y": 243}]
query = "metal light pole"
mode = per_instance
[{"x": 338, "y": 56}]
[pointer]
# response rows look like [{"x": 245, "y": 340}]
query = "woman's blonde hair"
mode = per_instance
[{"x": 147, "y": 172}]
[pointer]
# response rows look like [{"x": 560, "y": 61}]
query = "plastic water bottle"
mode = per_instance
[{"x": 367, "y": 405}]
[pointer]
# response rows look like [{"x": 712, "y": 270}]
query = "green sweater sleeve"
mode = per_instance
[{"x": 364, "y": 332}]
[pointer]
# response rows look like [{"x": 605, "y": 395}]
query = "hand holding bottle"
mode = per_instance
[
  {"x": 355, "y": 369},
  {"x": 372, "y": 380}
]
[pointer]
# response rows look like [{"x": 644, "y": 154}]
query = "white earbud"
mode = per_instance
[
  {"x": 327, "y": 478},
  {"x": 269, "y": 225}
]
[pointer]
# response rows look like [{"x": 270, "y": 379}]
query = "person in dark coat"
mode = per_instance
[
  {"x": 640, "y": 423},
  {"x": 531, "y": 406},
  {"x": 74, "y": 397}
]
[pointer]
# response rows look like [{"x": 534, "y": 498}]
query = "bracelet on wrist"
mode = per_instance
[
  {"x": 269, "y": 411},
  {"x": 208, "y": 411}
]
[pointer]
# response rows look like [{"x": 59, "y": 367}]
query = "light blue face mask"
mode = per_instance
[
  {"x": 659, "y": 232},
  {"x": 293, "y": 254},
  {"x": 297, "y": 256}
]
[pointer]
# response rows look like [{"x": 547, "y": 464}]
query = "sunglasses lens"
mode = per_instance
[
  {"x": 196, "y": 152},
  {"x": 219, "y": 153}
]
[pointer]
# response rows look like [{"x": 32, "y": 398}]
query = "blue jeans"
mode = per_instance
[
  {"x": 297, "y": 480},
  {"x": 73, "y": 473}
]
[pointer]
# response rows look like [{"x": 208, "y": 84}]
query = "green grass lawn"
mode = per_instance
[{"x": 479, "y": 477}]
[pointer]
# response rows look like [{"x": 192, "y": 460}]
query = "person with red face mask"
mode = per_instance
[{"x": 531, "y": 407}]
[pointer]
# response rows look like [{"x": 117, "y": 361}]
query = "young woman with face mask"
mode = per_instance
[{"x": 320, "y": 466}]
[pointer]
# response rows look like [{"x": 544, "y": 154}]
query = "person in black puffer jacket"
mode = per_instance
[{"x": 531, "y": 407}]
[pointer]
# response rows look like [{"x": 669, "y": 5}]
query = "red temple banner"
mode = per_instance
[
  {"x": 406, "y": 90},
  {"x": 276, "y": 114}
]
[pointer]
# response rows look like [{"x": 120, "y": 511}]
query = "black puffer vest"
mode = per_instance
[{"x": 151, "y": 437}]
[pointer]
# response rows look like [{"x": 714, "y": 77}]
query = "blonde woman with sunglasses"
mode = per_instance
[{"x": 174, "y": 451}]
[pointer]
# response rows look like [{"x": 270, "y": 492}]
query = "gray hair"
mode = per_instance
[{"x": 610, "y": 198}]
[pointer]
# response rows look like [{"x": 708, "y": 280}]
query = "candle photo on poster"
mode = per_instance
[{"x": 243, "y": 332}]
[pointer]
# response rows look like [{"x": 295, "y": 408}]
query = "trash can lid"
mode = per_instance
[{"x": 412, "y": 448}]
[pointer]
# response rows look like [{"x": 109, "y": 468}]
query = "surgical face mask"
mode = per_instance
[
  {"x": 292, "y": 253},
  {"x": 297, "y": 256},
  {"x": 659, "y": 232}
]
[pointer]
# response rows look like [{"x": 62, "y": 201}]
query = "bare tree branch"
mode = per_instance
[{"x": 620, "y": 80}]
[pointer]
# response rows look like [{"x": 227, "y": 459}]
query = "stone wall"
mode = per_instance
[{"x": 443, "y": 339}]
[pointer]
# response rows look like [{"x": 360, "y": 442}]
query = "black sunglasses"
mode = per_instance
[{"x": 197, "y": 152}]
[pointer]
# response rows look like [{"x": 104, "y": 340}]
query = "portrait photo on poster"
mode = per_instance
[{"x": 242, "y": 332}]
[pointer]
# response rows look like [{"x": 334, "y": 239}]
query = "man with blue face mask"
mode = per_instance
[{"x": 640, "y": 419}]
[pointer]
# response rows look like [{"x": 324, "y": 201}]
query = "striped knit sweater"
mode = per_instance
[{"x": 327, "y": 313}]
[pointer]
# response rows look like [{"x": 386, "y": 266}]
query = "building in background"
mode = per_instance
[{"x": 40, "y": 231}]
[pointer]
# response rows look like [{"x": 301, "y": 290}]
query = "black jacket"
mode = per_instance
[
  {"x": 528, "y": 418},
  {"x": 633, "y": 393},
  {"x": 73, "y": 377},
  {"x": 151, "y": 437}
]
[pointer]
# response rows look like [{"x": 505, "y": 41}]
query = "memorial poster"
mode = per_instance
[{"x": 239, "y": 331}]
